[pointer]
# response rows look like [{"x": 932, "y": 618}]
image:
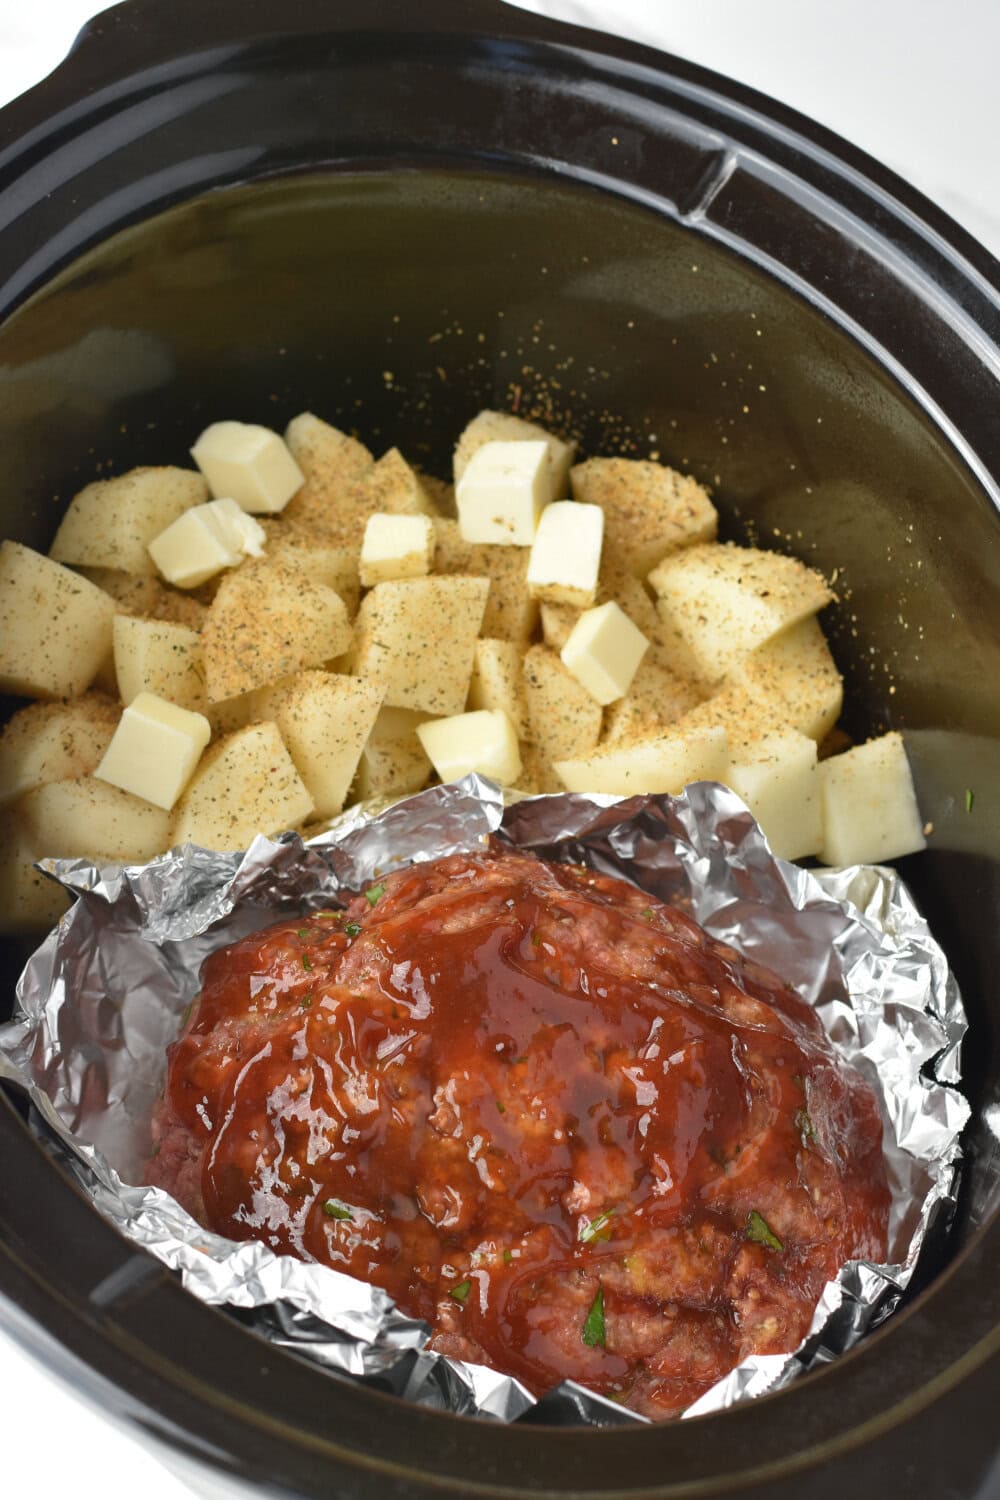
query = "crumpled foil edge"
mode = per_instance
[{"x": 105, "y": 993}]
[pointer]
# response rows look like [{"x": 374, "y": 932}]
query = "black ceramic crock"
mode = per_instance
[{"x": 393, "y": 213}]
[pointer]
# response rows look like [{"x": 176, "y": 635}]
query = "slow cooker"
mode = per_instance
[{"x": 393, "y": 215}]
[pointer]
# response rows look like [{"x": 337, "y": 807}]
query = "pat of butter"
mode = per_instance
[
  {"x": 396, "y": 547},
  {"x": 250, "y": 463},
  {"x": 204, "y": 540},
  {"x": 482, "y": 741},
  {"x": 603, "y": 652},
  {"x": 154, "y": 750},
  {"x": 566, "y": 554},
  {"x": 503, "y": 491}
]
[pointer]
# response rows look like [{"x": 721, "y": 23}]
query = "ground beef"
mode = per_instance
[{"x": 544, "y": 1111}]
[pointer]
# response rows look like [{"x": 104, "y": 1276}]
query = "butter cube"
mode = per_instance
[
  {"x": 503, "y": 491},
  {"x": 154, "y": 750},
  {"x": 566, "y": 553},
  {"x": 250, "y": 463},
  {"x": 482, "y": 741},
  {"x": 603, "y": 652},
  {"x": 870, "y": 810},
  {"x": 777, "y": 779},
  {"x": 396, "y": 547},
  {"x": 204, "y": 540}
]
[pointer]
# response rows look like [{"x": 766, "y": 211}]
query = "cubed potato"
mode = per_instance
[
  {"x": 55, "y": 627},
  {"x": 30, "y": 902},
  {"x": 564, "y": 720},
  {"x": 417, "y": 637},
  {"x": 497, "y": 682},
  {"x": 244, "y": 785},
  {"x": 54, "y": 742},
  {"x": 795, "y": 669},
  {"x": 724, "y": 601},
  {"x": 335, "y": 567},
  {"x": 870, "y": 810},
  {"x": 331, "y": 503},
  {"x": 87, "y": 818},
  {"x": 154, "y": 750},
  {"x": 777, "y": 779},
  {"x": 393, "y": 762},
  {"x": 656, "y": 699},
  {"x": 504, "y": 427},
  {"x": 511, "y": 612},
  {"x": 395, "y": 547},
  {"x": 649, "y": 509},
  {"x": 152, "y": 656},
  {"x": 441, "y": 493},
  {"x": 148, "y": 596},
  {"x": 667, "y": 763},
  {"x": 111, "y": 522},
  {"x": 325, "y": 721},
  {"x": 391, "y": 485},
  {"x": 267, "y": 621},
  {"x": 250, "y": 464},
  {"x": 482, "y": 741},
  {"x": 603, "y": 652},
  {"x": 565, "y": 556}
]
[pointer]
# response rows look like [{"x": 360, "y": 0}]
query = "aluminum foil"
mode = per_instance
[{"x": 106, "y": 993}]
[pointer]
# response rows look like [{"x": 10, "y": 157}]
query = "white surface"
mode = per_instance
[{"x": 911, "y": 81}]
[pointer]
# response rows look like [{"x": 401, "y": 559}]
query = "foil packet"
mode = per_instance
[{"x": 106, "y": 993}]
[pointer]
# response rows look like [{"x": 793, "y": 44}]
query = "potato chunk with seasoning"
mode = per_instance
[
  {"x": 393, "y": 762},
  {"x": 564, "y": 720},
  {"x": 55, "y": 627},
  {"x": 666, "y": 763},
  {"x": 55, "y": 742},
  {"x": 244, "y": 785},
  {"x": 325, "y": 720},
  {"x": 870, "y": 810},
  {"x": 87, "y": 818},
  {"x": 154, "y": 656},
  {"x": 649, "y": 510},
  {"x": 111, "y": 522},
  {"x": 417, "y": 637},
  {"x": 505, "y": 427}
]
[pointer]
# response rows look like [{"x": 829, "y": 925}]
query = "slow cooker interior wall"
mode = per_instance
[{"x": 398, "y": 303}]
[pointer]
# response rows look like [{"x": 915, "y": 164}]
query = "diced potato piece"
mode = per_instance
[
  {"x": 267, "y": 621},
  {"x": 725, "y": 600},
  {"x": 55, "y": 627},
  {"x": 497, "y": 682},
  {"x": 152, "y": 656},
  {"x": 664, "y": 764},
  {"x": 566, "y": 554},
  {"x": 393, "y": 762},
  {"x": 649, "y": 510},
  {"x": 87, "y": 818},
  {"x": 656, "y": 699},
  {"x": 483, "y": 741},
  {"x": 795, "y": 669},
  {"x": 336, "y": 567},
  {"x": 417, "y": 636},
  {"x": 154, "y": 750},
  {"x": 614, "y": 583},
  {"x": 511, "y": 612},
  {"x": 441, "y": 494},
  {"x": 148, "y": 596},
  {"x": 248, "y": 463},
  {"x": 504, "y": 427},
  {"x": 111, "y": 522},
  {"x": 392, "y": 485},
  {"x": 29, "y": 900},
  {"x": 502, "y": 493},
  {"x": 245, "y": 785},
  {"x": 733, "y": 709},
  {"x": 204, "y": 540},
  {"x": 330, "y": 502},
  {"x": 564, "y": 719},
  {"x": 324, "y": 721},
  {"x": 54, "y": 742},
  {"x": 870, "y": 810},
  {"x": 776, "y": 777},
  {"x": 604, "y": 651},
  {"x": 396, "y": 547}
]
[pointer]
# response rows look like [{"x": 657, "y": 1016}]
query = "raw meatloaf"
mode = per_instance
[{"x": 547, "y": 1113}]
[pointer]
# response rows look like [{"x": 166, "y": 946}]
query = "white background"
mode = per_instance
[{"x": 914, "y": 82}]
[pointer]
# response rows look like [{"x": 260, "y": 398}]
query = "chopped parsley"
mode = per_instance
[
  {"x": 501, "y": 1107},
  {"x": 592, "y": 1332},
  {"x": 335, "y": 1210},
  {"x": 352, "y": 929},
  {"x": 307, "y": 999},
  {"x": 759, "y": 1231},
  {"x": 596, "y": 1229},
  {"x": 330, "y": 916},
  {"x": 461, "y": 1291},
  {"x": 304, "y": 932},
  {"x": 374, "y": 894},
  {"x": 507, "y": 1257},
  {"x": 970, "y": 797},
  {"x": 307, "y": 962}
]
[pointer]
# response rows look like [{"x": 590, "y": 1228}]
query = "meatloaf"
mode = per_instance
[{"x": 547, "y": 1113}]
